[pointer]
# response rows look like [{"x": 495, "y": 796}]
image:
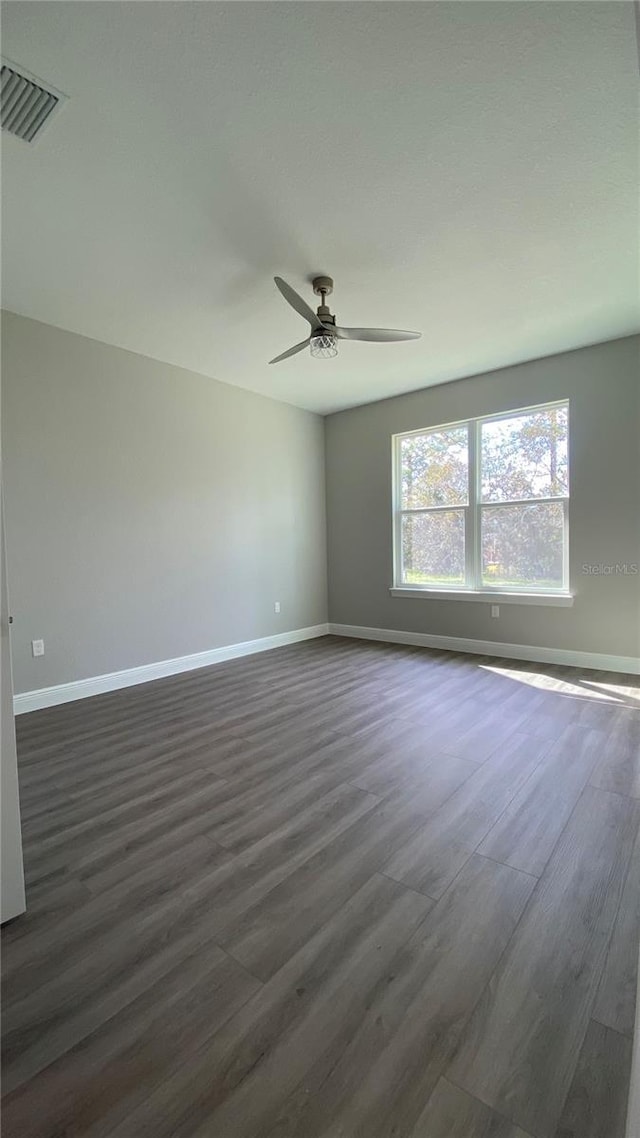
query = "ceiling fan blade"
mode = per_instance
[
  {"x": 377, "y": 335},
  {"x": 300, "y": 305},
  {"x": 291, "y": 351}
]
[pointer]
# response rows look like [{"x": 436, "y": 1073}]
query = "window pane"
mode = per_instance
[
  {"x": 433, "y": 548},
  {"x": 525, "y": 456},
  {"x": 435, "y": 469},
  {"x": 522, "y": 546}
]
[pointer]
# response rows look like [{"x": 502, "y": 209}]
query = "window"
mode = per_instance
[{"x": 482, "y": 506}]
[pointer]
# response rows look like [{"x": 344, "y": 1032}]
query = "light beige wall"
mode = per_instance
[
  {"x": 603, "y": 386},
  {"x": 151, "y": 512}
]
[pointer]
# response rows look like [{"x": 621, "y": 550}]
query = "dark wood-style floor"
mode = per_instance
[{"x": 339, "y": 889}]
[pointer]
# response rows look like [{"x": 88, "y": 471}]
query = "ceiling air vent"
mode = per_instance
[{"x": 27, "y": 103}]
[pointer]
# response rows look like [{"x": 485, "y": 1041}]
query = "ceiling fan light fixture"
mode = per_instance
[{"x": 323, "y": 346}]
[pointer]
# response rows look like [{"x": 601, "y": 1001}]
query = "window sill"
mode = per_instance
[{"x": 558, "y": 600}]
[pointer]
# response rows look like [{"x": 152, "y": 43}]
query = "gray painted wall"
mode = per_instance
[
  {"x": 603, "y": 386},
  {"x": 151, "y": 512}
]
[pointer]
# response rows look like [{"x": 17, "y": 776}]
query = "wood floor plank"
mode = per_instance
[
  {"x": 99, "y": 944},
  {"x": 527, "y": 831},
  {"x": 88, "y": 744},
  {"x": 100, "y": 1080},
  {"x": 138, "y": 755},
  {"x": 249, "y": 815},
  {"x": 73, "y": 836},
  {"x": 529, "y": 1025},
  {"x": 138, "y": 764},
  {"x": 451, "y": 1113},
  {"x": 235, "y": 1085},
  {"x": 488, "y": 734},
  {"x": 73, "y": 822},
  {"x": 436, "y": 852},
  {"x": 50, "y": 1004},
  {"x": 266, "y": 935},
  {"x": 269, "y": 783},
  {"x": 380, "y": 1082},
  {"x": 263, "y": 863},
  {"x": 619, "y": 768},
  {"x": 87, "y": 847},
  {"x": 34, "y": 807},
  {"x": 46, "y": 903},
  {"x": 231, "y": 884},
  {"x": 384, "y": 760},
  {"x": 615, "y": 1005},
  {"x": 561, "y": 710},
  {"x": 185, "y": 816},
  {"x": 596, "y": 1105}
]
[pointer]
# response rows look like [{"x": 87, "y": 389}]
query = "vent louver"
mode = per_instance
[{"x": 27, "y": 104}]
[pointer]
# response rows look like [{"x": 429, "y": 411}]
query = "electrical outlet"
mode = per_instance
[
  {"x": 37, "y": 647},
  {"x": 276, "y": 606},
  {"x": 495, "y": 610}
]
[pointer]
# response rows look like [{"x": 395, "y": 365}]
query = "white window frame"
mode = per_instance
[{"x": 473, "y": 588}]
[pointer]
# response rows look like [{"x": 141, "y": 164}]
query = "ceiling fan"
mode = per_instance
[{"x": 325, "y": 332}]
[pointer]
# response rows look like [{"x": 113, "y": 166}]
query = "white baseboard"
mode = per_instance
[
  {"x": 112, "y": 681},
  {"x": 598, "y": 661},
  {"x": 95, "y": 685}
]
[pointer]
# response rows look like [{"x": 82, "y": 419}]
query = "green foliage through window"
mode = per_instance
[
  {"x": 435, "y": 469},
  {"x": 525, "y": 456}
]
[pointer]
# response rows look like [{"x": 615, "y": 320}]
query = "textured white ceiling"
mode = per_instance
[{"x": 464, "y": 169}]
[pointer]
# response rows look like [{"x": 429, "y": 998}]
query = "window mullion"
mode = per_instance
[
  {"x": 472, "y": 528},
  {"x": 565, "y": 544},
  {"x": 408, "y": 511},
  {"x": 398, "y": 572}
]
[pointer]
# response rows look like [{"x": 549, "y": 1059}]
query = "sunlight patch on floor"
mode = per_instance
[{"x": 584, "y": 689}]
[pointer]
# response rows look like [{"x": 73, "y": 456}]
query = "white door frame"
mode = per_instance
[{"x": 12, "y": 894}]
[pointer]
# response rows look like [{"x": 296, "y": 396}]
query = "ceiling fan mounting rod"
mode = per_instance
[{"x": 323, "y": 287}]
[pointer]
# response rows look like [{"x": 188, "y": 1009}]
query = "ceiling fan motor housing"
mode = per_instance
[{"x": 325, "y": 315}]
